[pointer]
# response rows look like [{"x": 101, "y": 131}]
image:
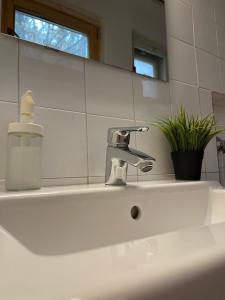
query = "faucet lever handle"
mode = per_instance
[{"x": 120, "y": 136}]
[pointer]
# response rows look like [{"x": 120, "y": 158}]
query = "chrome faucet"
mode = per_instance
[{"x": 119, "y": 155}]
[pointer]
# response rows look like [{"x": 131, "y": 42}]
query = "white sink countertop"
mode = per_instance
[{"x": 81, "y": 242}]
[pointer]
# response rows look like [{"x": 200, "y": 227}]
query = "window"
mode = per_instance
[
  {"x": 41, "y": 24},
  {"x": 146, "y": 64},
  {"x": 144, "y": 67},
  {"x": 46, "y": 33}
]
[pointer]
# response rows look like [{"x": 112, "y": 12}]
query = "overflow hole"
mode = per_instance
[{"x": 135, "y": 212}]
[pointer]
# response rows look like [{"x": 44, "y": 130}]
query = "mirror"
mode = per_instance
[{"x": 129, "y": 34}]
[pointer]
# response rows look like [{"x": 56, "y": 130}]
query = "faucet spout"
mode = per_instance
[
  {"x": 119, "y": 155},
  {"x": 140, "y": 160}
]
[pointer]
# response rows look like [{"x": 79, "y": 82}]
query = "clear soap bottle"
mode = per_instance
[{"x": 23, "y": 171}]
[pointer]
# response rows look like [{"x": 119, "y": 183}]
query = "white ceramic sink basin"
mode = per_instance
[{"x": 146, "y": 241}]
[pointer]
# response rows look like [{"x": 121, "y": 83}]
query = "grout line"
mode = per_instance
[
  {"x": 110, "y": 117},
  {"x": 215, "y": 16},
  {"x": 217, "y": 42},
  {"x": 208, "y": 52},
  {"x": 61, "y": 109},
  {"x": 133, "y": 96},
  {"x": 134, "y": 115},
  {"x": 18, "y": 79},
  {"x": 186, "y": 83},
  {"x": 216, "y": 172},
  {"x": 194, "y": 46},
  {"x": 9, "y": 102},
  {"x": 60, "y": 178},
  {"x": 155, "y": 174},
  {"x": 168, "y": 66},
  {"x": 99, "y": 115},
  {"x": 196, "y": 62},
  {"x": 180, "y": 40},
  {"x": 83, "y": 113},
  {"x": 170, "y": 95},
  {"x": 208, "y": 90},
  {"x": 86, "y": 120}
]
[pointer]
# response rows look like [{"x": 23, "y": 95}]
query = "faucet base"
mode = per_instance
[{"x": 117, "y": 172}]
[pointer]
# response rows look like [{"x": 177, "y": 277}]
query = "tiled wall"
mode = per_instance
[
  {"x": 196, "y": 45},
  {"x": 78, "y": 100}
]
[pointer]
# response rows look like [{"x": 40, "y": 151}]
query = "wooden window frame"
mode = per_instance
[{"x": 51, "y": 14}]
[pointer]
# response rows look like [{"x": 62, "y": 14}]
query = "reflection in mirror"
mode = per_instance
[
  {"x": 130, "y": 34},
  {"x": 37, "y": 30}
]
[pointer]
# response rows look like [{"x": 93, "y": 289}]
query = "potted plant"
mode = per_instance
[{"x": 188, "y": 137}]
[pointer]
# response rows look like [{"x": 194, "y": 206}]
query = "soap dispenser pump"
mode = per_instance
[{"x": 23, "y": 170}]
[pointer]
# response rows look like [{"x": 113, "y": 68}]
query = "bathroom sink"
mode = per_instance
[{"x": 94, "y": 242}]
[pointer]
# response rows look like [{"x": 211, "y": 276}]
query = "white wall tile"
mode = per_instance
[
  {"x": 2, "y": 184},
  {"x": 219, "y": 115},
  {"x": 205, "y": 33},
  {"x": 149, "y": 177},
  {"x": 203, "y": 165},
  {"x": 178, "y": 13},
  {"x": 182, "y": 66},
  {"x": 204, "y": 7},
  {"x": 97, "y": 129},
  {"x": 203, "y": 177},
  {"x": 0, "y": 13},
  {"x": 8, "y": 113},
  {"x": 57, "y": 79},
  {"x": 219, "y": 11},
  {"x": 64, "y": 144},
  {"x": 97, "y": 179},
  {"x": 211, "y": 159},
  {"x": 8, "y": 68},
  {"x": 151, "y": 98},
  {"x": 218, "y": 99},
  {"x": 213, "y": 176},
  {"x": 222, "y": 69},
  {"x": 101, "y": 179},
  {"x": 63, "y": 181},
  {"x": 155, "y": 144},
  {"x": 208, "y": 70},
  {"x": 205, "y": 97},
  {"x": 108, "y": 91},
  {"x": 185, "y": 95},
  {"x": 221, "y": 41},
  {"x": 210, "y": 156}
]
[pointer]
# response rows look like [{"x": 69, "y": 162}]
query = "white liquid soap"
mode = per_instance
[{"x": 24, "y": 149}]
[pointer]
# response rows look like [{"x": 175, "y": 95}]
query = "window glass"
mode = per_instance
[
  {"x": 144, "y": 68},
  {"x": 50, "y": 34},
  {"x": 147, "y": 64}
]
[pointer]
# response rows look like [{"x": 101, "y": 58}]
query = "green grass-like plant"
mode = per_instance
[{"x": 188, "y": 133}]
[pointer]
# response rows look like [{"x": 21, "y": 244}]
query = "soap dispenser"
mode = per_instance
[{"x": 23, "y": 171}]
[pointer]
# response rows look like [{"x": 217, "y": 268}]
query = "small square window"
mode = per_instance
[
  {"x": 146, "y": 63},
  {"x": 144, "y": 67}
]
